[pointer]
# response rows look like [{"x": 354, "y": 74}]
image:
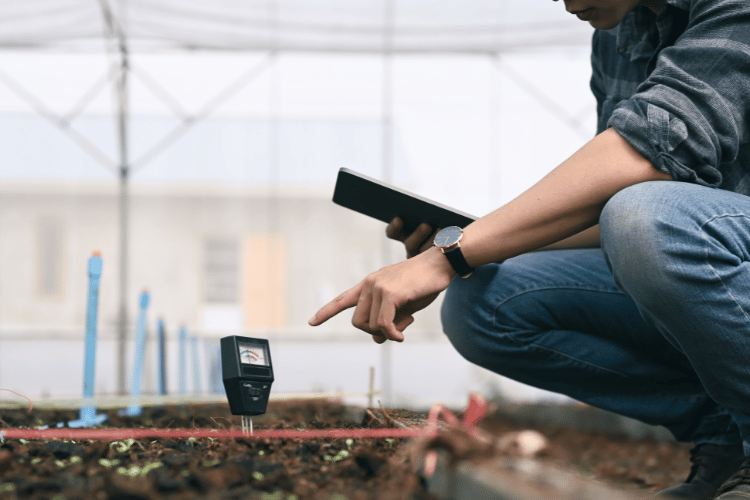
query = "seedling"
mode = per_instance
[
  {"x": 122, "y": 446},
  {"x": 247, "y": 373},
  {"x": 135, "y": 471}
]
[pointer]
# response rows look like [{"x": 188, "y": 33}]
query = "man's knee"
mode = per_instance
[
  {"x": 462, "y": 312},
  {"x": 636, "y": 225},
  {"x": 479, "y": 313},
  {"x": 632, "y": 217}
]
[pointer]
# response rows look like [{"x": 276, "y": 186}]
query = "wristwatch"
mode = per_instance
[{"x": 447, "y": 240}]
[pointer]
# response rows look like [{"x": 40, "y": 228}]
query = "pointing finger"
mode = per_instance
[{"x": 344, "y": 301}]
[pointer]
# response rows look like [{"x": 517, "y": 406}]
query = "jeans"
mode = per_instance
[{"x": 655, "y": 325}]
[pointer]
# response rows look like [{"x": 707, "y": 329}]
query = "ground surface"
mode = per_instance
[
  {"x": 327, "y": 469},
  {"x": 617, "y": 461}
]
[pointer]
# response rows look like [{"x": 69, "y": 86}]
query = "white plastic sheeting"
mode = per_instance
[{"x": 298, "y": 25}]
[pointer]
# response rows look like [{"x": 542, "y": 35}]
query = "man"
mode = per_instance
[{"x": 654, "y": 324}]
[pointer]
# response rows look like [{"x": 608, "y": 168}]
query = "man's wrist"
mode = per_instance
[{"x": 441, "y": 261}]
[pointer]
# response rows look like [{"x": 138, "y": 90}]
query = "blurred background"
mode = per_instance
[{"x": 196, "y": 146}]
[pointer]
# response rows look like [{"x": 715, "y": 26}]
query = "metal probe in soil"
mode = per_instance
[{"x": 247, "y": 425}]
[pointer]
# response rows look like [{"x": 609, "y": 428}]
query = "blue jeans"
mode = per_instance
[{"x": 655, "y": 325}]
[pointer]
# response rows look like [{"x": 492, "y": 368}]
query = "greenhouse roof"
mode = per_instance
[{"x": 292, "y": 25}]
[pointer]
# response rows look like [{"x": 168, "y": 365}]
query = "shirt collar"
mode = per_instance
[{"x": 639, "y": 30}]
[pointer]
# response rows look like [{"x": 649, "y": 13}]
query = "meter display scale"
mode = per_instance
[{"x": 247, "y": 373}]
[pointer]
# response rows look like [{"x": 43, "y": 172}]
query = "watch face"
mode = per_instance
[{"x": 448, "y": 236}]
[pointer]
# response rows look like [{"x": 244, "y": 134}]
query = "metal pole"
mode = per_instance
[
  {"x": 387, "y": 163},
  {"x": 493, "y": 176},
  {"x": 122, "y": 98}
]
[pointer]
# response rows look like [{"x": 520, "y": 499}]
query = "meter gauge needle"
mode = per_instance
[
  {"x": 252, "y": 356},
  {"x": 248, "y": 356}
]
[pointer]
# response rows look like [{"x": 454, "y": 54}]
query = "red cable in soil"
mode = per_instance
[
  {"x": 118, "y": 434},
  {"x": 473, "y": 414}
]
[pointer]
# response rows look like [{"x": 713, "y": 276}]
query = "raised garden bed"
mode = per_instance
[{"x": 282, "y": 469}]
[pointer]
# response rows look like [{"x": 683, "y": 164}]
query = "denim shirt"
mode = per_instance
[{"x": 677, "y": 87}]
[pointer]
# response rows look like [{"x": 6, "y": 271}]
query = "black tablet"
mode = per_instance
[{"x": 384, "y": 202}]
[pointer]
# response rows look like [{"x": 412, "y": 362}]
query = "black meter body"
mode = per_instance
[{"x": 247, "y": 373}]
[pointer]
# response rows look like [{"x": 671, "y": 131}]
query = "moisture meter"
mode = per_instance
[{"x": 247, "y": 372}]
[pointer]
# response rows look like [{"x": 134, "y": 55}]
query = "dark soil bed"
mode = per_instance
[{"x": 279, "y": 469}]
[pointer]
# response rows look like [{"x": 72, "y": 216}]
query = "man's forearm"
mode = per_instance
[
  {"x": 588, "y": 238},
  {"x": 565, "y": 202}
]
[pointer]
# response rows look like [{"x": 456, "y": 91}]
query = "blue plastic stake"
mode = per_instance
[
  {"x": 87, "y": 415},
  {"x": 196, "y": 367},
  {"x": 183, "y": 360},
  {"x": 140, "y": 347},
  {"x": 162, "y": 359}
]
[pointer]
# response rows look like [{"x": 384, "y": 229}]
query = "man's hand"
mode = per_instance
[
  {"x": 387, "y": 299},
  {"x": 417, "y": 242}
]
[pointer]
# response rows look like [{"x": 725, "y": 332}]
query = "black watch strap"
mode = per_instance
[{"x": 457, "y": 260}]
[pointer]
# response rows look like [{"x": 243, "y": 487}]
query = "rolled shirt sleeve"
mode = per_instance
[{"x": 689, "y": 117}]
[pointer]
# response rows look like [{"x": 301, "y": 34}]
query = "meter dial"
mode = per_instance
[{"x": 252, "y": 354}]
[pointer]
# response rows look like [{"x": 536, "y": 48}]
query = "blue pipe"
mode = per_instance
[
  {"x": 196, "y": 368},
  {"x": 183, "y": 360},
  {"x": 87, "y": 415},
  {"x": 140, "y": 347},
  {"x": 162, "y": 359}
]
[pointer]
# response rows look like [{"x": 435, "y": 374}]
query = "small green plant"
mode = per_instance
[
  {"x": 23, "y": 441},
  {"x": 151, "y": 466},
  {"x": 261, "y": 453},
  {"x": 135, "y": 471},
  {"x": 122, "y": 446},
  {"x": 349, "y": 443},
  {"x": 7, "y": 487},
  {"x": 35, "y": 461},
  {"x": 132, "y": 471},
  {"x": 108, "y": 463},
  {"x": 211, "y": 463},
  {"x": 390, "y": 442},
  {"x": 258, "y": 476},
  {"x": 338, "y": 457},
  {"x": 75, "y": 460}
]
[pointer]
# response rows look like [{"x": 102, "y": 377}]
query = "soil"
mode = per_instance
[{"x": 281, "y": 469}]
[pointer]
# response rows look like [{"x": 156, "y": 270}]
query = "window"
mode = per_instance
[
  {"x": 221, "y": 271},
  {"x": 264, "y": 281},
  {"x": 50, "y": 236}
]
